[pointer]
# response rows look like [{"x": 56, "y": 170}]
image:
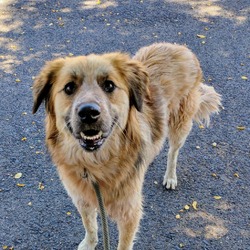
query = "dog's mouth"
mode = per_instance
[{"x": 91, "y": 139}]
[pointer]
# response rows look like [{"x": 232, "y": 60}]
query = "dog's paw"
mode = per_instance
[
  {"x": 86, "y": 245},
  {"x": 170, "y": 183}
]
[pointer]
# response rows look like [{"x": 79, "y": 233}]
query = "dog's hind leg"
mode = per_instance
[
  {"x": 177, "y": 137},
  {"x": 179, "y": 127},
  {"x": 88, "y": 215}
]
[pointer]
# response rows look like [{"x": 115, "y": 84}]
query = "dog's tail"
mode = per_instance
[{"x": 210, "y": 103}]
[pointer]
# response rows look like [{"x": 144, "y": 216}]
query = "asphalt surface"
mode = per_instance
[{"x": 35, "y": 211}]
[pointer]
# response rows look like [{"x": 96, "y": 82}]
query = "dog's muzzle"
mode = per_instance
[{"x": 88, "y": 127}]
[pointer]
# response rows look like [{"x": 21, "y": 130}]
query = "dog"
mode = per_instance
[{"x": 108, "y": 116}]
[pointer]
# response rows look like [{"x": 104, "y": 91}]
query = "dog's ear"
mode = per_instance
[
  {"x": 135, "y": 75},
  {"x": 137, "y": 78},
  {"x": 44, "y": 82}
]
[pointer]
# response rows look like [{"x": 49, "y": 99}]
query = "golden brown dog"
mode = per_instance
[{"x": 107, "y": 117}]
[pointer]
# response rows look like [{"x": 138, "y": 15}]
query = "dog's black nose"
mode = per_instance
[{"x": 89, "y": 112}]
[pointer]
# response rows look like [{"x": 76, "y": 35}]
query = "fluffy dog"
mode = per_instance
[{"x": 107, "y": 117}]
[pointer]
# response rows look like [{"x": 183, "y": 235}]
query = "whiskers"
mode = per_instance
[
  {"x": 122, "y": 130},
  {"x": 67, "y": 125}
]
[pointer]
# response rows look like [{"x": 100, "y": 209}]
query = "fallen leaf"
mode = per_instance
[
  {"x": 18, "y": 175},
  {"x": 186, "y": 207},
  {"x": 24, "y": 139},
  {"x": 201, "y": 36},
  {"x": 241, "y": 127},
  {"x": 214, "y": 144},
  {"x": 236, "y": 175},
  {"x": 244, "y": 78},
  {"x": 41, "y": 186},
  {"x": 68, "y": 213},
  {"x": 194, "y": 205},
  {"x": 217, "y": 197},
  {"x": 177, "y": 216},
  {"x": 18, "y": 80},
  {"x": 214, "y": 174},
  {"x": 201, "y": 127},
  {"x": 39, "y": 152},
  {"x": 181, "y": 245},
  {"x": 20, "y": 185}
]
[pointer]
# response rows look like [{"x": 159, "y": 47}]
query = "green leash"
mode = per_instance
[{"x": 105, "y": 229}]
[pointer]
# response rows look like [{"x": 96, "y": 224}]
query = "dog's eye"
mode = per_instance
[
  {"x": 108, "y": 86},
  {"x": 70, "y": 88}
]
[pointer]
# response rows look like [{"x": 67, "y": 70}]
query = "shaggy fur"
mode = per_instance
[{"x": 142, "y": 101}]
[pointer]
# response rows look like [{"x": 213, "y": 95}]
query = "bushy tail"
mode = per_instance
[{"x": 210, "y": 103}]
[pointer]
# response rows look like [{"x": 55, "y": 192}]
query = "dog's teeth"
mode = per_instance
[
  {"x": 82, "y": 135},
  {"x": 94, "y": 137}
]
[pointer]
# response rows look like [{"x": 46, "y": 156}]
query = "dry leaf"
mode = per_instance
[
  {"x": 201, "y": 36},
  {"x": 236, "y": 175},
  {"x": 18, "y": 80},
  {"x": 41, "y": 186},
  {"x": 18, "y": 175},
  {"x": 217, "y": 197},
  {"x": 68, "y": 213},
  {"x": 194, "y": 205},
  {"x": 241, "y": 127},
  {"x": 181, "y": 245},
  {"x": 20, "y": 185},
  {"x": 214, "y": 144},
  {"x": 244, "y": 78},
  {"x": 186, "y": 207},
  {"x": 177, "y": 216},
  {"x": 214, "y": 174}
]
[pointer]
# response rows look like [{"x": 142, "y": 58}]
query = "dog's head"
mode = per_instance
[{"x": 91, "y": 96}]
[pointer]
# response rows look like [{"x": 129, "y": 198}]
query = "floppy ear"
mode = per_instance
[
  {"x": 135, "y": 75},
  {"x": 44, "y": 82},
  {"x": 138, "y": 80}
]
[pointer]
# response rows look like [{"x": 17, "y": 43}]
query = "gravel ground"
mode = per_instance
[{"x": 35, "y": 211}]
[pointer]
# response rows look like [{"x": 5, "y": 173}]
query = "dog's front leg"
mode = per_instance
[
  {"x": 88, "y": 215},
  {"x": 128, "y": 226}
]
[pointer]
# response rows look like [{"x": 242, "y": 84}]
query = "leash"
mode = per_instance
[{"x": 104, "y": 220}]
